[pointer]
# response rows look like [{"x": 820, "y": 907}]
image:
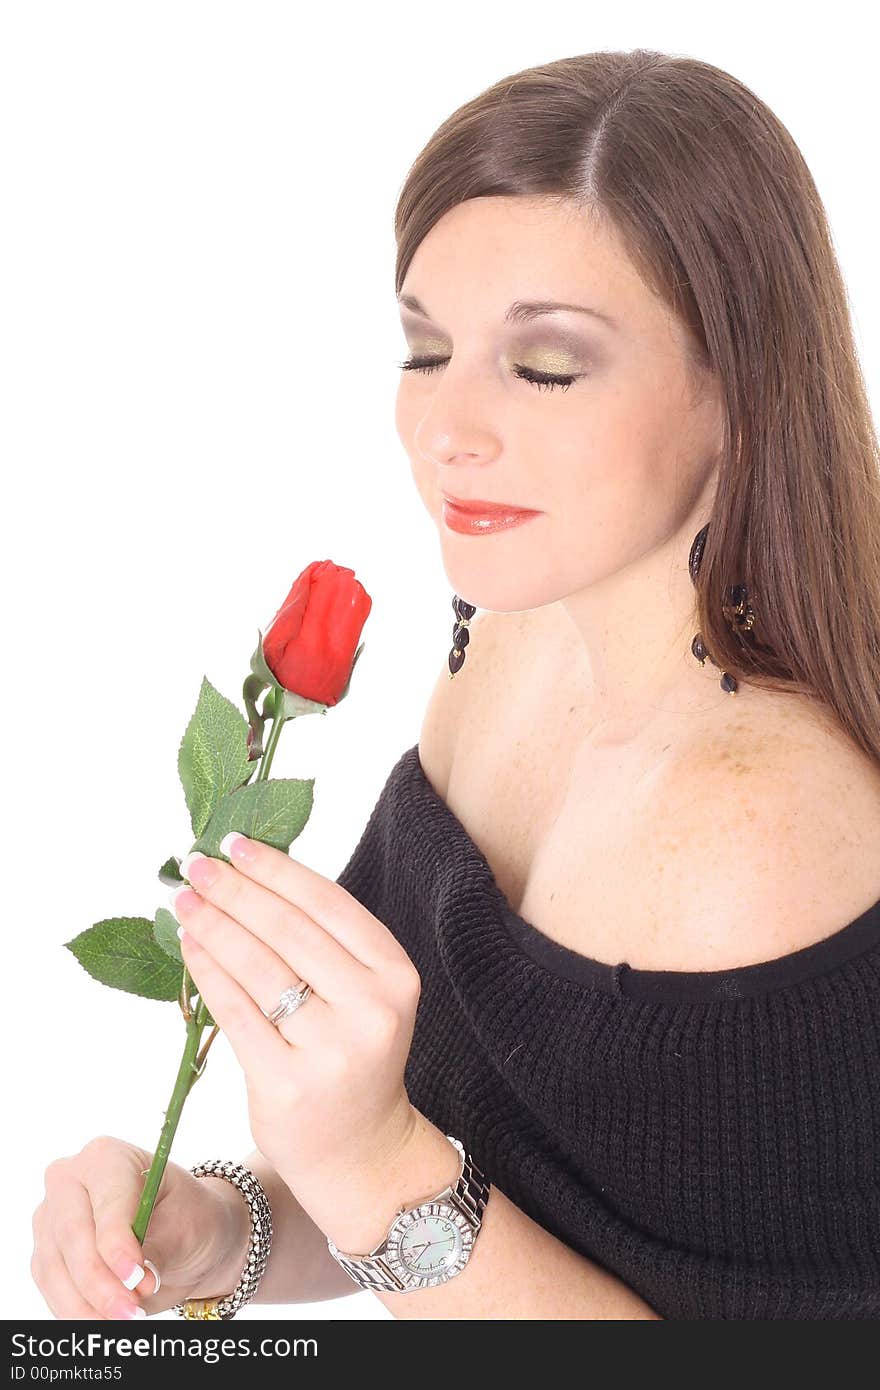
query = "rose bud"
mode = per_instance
[{"x": 311, "y": 642}]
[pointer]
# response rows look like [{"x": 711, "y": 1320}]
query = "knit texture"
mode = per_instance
[{"x": 711, "y": 1137}]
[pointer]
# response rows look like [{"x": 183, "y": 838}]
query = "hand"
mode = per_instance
[
  {"x": 326, "y": 1091},
  {"x": 84, "y": 1247}
]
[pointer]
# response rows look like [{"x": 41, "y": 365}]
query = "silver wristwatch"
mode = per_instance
[{"x": 427, "y": 1244}]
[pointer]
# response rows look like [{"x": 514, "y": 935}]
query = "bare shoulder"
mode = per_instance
[
  {"x": 453, "y": 701},
  {"x": 769, "y": 837}
]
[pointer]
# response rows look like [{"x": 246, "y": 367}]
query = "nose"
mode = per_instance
[{"x": 457, "y": 423}]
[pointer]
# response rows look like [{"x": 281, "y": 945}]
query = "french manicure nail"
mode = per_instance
[
  {"x": 174, "y": 895},
  {"x": 134, "y": 1276},
  {"x": 188, "y": 860},
  {"x": 232, "y": 839}
]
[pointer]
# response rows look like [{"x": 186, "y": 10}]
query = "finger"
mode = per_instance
[
  {"x": 76, "y": 1237},
  {"x": 113, "y": 1204},
  {"x": 60, "y": 1294},
  {"x": 267, "y": 953},
  {"x": 254, "y": 966},
  {"x": 255, "y": 1041},
  {"x": 326, "y": 902}
]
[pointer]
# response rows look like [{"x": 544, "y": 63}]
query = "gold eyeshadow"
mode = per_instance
[
  {"x": 539, "y": 351},
  {"x": 429, "y": 347},
  {"x": 549, "y": 359}
]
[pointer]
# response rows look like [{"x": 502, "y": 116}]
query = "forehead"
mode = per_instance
[{"x": 486, "y": 252}]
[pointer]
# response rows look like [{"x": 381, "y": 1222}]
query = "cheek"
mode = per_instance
[
  {"x": 427, "y": 488},
  {"x": 425, "y": 479},
  {"x": 406, "y": 422},
  {"x": 618, "y": 455},
  {"x": 611, "y": 484},
  {"x": 409, "y": 407},
  {"x": 407, "y": 414},
  {"x": 401, "y": 414}
]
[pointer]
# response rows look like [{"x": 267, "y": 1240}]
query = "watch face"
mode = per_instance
[{"x": 430, "y": 1244}]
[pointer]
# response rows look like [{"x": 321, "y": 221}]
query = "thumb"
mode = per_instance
[{"x": 115, "y": 1200}]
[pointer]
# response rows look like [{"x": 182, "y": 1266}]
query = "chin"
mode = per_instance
[{"x": 493, "y": 593}]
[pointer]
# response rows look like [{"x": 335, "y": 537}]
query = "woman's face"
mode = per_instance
[{"x": 615, "y": 462}]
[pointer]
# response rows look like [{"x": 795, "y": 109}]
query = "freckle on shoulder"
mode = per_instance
[{"x": 768, "y": 841}]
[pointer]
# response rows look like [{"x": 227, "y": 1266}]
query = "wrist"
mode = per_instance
[
  {"x": 366, "y": 1204},
  {"x": 231, "y": 1232}
]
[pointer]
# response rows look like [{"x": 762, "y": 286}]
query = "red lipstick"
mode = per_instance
[{"x": 477, "y": 517}]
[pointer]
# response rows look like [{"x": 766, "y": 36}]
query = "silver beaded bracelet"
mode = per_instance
[{"x": 225, "y": 1306}]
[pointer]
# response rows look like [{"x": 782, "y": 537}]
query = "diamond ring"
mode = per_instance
[{"x": 290, "y": 1001}]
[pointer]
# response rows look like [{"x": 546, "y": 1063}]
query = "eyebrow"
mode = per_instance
[{"x": 521, "y": 310}]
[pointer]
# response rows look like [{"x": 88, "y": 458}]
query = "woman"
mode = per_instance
[{"x": 633, "y": 858}]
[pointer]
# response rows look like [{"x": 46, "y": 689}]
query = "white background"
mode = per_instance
[{"x": 199, "y": 335}]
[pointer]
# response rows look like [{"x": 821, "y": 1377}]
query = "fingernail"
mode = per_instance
[
  {"x": 236, "y": 845},
  {"x": 188, "y": 860},
  {"x": 155, "y": 1273},
  {"x": 182, "y": 891},
  {"x": 135, "y": 1273}
]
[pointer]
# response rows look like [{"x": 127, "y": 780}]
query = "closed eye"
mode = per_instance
[{"x": 539, "y": 379}]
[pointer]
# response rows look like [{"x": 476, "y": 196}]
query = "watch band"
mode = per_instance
[
  {"x": 471, "y": 1192},
  {"x": 469, "y": 1195}
]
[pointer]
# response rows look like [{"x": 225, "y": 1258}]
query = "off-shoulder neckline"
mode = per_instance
[{"x": 860, "y": 935}]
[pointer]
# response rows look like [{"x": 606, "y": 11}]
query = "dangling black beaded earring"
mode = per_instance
[
  {"x": 738, "y": 611},
  {"x": 460, "y": 635}
]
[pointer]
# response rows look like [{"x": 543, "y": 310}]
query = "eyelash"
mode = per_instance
[{"x": 538, "y": 379}]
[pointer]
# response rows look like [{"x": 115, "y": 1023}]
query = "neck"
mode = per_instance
[{"x": 632, "y": 634}]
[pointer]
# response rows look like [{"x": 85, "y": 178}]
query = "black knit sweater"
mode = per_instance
[{"x": 711, "y": 1137}]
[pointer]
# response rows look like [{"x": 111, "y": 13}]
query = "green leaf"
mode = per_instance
[
  {"x": 351, "y": 673},
  {"x": 208, "y": 1019},
  {"x": 213, "y": 756},
  {"x": 261, "y": 678},
  {"x": 169, "y": 874},
  {"x": 293, "y": 705},
  {"x": 251, "y": 690},
  {"x": 259, "y": 665},
  {"x": 165, "y": 932},
  {"x": 122, "y": 952},
  {"x": 273, "y": 811}
]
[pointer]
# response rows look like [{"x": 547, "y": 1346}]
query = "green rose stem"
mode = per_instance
[
  {"x": 274, "y": 735},
  {"x": 187, "y": 1075},
  {"x": 192, "y": 1062}
]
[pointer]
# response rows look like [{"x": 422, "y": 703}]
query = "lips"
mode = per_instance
[
  {"x": 476, "y": 506},
  {"x": 482, "y": 518}
]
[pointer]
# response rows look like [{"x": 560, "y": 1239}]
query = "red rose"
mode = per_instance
[{"x": 311, "y": 642}]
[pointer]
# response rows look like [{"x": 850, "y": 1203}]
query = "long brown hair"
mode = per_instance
[{"x": 721, "y": 217}]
